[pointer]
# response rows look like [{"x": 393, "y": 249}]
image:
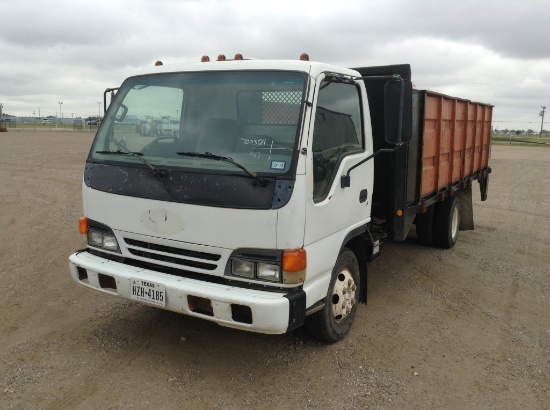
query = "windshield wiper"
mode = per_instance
[
  {"x": 157, "y": 172},
  {"x": 209, "y": 155},
  {"x": 118, "y": 152}
]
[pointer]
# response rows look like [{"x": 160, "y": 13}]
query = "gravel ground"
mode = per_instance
[{"x": 462, "y": 328}]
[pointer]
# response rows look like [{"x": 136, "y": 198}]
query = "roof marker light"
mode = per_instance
[
  {"x": 221, "y": 57},
  {"x": 205, "y": 59},
  {"x": 304, "y": 57},
  {"x": 158, "y": 63},
  {"x": 239, "y": 56}
]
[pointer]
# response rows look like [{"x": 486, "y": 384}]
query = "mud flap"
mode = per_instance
[
  {"x": 484, "y": 187},
  {"x": 297, "y": 309},
  {"x": 466, "y": 209}
]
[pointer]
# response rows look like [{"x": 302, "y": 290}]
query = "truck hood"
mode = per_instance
[{"x": 201, "y": 225}]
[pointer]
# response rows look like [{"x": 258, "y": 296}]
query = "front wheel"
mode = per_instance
[{"x": 334, "y": 320}]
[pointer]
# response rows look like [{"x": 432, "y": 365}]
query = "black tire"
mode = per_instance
[
  {"x": 425, "y": 226},
  {"x": 447, "y": 222},
  {"x": 334, "y": 320}
]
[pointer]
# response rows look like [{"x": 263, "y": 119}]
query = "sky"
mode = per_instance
[{"x": 491, "y": 51}]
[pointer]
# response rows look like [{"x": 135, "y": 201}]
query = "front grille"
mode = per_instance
[
  {"x": 172, "y": 250},
  {"x": 173, "y": 255}
]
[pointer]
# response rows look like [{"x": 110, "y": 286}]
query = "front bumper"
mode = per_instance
[{"x": 231, "y": 306}]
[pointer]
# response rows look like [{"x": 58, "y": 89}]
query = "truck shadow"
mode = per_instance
[{"x": 192, "y": 347}]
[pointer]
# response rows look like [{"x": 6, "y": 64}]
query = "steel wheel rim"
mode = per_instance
[
  {"x": 343, "y": 295},
  {"x": 454, "y": 223}
]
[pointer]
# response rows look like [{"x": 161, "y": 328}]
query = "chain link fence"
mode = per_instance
[{"x": 46, "y": 124}]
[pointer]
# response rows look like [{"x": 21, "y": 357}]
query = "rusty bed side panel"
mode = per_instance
[{"x": 455, "y": 141}]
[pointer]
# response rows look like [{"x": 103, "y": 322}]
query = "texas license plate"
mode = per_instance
[{"x": 150, "y": 292}]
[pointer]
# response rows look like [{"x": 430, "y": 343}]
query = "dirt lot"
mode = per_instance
[{"x": 461, "y": 328}]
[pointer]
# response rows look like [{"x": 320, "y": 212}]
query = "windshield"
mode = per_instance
[{"x": 251, "y": 117}]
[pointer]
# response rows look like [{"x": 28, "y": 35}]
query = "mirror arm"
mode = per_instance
[
  {"x": 345, "y": 181},
  {"x": 108, "y": 90}
]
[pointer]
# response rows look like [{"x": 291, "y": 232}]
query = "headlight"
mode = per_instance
[
  {"x": 110, "y": 243},
  {"x": 103, "y": 240},
  {"x": 95, "y": 238},
  {"x": 242, "y": 268},
  {"x": 269, "y": 272},
  {"x": 257, "y": 264}
]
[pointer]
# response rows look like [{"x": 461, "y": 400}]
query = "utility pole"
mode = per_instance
[{"x": 542, "y": 121}]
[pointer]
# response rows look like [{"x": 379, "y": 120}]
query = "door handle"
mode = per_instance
[{"x": 363, "y": 195}]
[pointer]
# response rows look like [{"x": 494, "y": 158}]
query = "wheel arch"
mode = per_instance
[{"x": 357, "y": 241}]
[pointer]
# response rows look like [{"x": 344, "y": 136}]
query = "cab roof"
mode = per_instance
[{"x": 311, "y": 68}]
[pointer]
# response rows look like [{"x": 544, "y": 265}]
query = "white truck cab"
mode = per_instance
[{"x": 240, "y": 216}]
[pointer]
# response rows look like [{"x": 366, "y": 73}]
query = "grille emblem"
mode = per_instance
[{"x": 162, "y": 221}]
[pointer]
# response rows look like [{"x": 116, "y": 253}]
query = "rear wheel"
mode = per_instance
[
  {"x": 334, "y": 320},
  {"x": 447, "y": 223}
]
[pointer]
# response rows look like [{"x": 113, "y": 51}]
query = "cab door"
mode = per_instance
[{"x": 341, "y": 137}]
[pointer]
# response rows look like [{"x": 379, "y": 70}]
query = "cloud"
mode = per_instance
[{"x": 493, "y": 51}]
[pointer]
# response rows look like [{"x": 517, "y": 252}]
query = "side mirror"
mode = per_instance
[
  {"x": 121, "y": 113},
  {"x": 397, "y": 111}
]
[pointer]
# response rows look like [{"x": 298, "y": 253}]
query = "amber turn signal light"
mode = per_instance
[
  {"x": 294, "y": 260},
  {"x": 294, "y": 266},
  {"x": 83, "y": 225}
]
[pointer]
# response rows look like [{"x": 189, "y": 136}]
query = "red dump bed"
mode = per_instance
[
  {"x": 455, "y": 140},
  {"x": 448, "y": 150}
]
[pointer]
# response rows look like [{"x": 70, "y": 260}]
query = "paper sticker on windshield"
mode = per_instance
[{"x": 278, "y": 165}]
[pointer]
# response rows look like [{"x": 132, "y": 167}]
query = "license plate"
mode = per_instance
[{"x": 150, "y": 292}]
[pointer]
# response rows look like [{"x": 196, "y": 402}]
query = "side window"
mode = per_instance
[{"x": 337, "y": 132}]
